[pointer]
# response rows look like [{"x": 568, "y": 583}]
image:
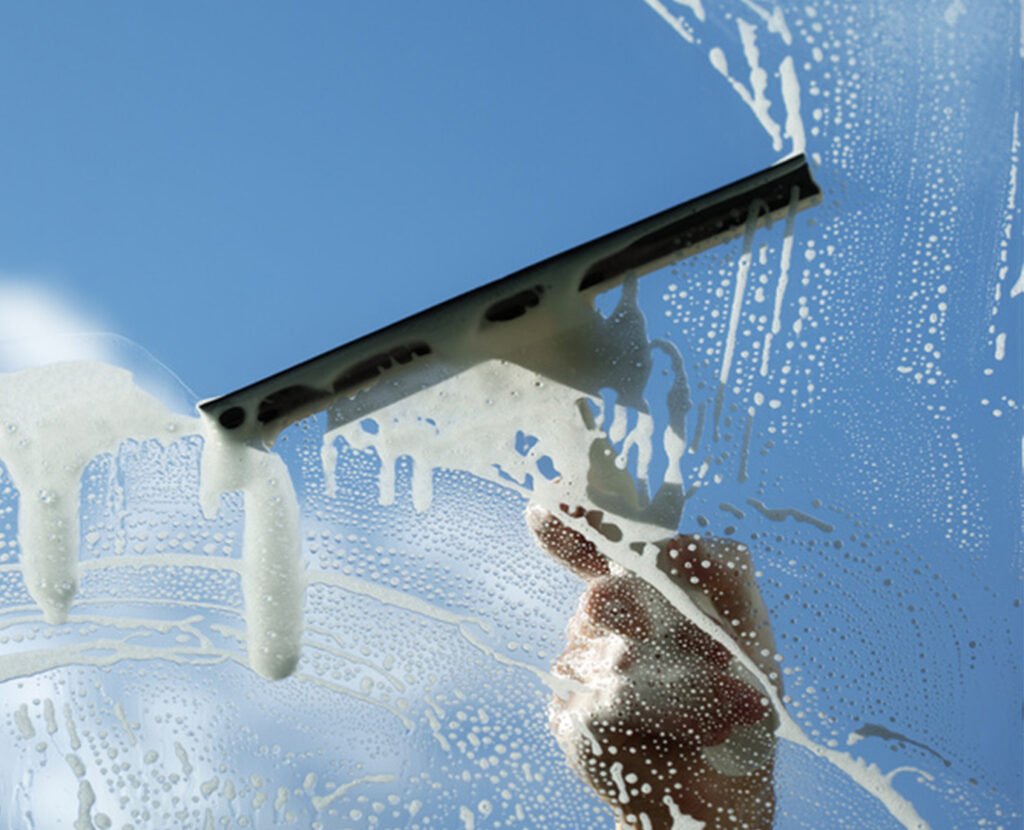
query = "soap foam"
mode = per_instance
[
  {"x": 273, "y": 583},
  {"x": 58, "y": 418},
  {"x": 55, "y": 419},
  {"x": 470, "y": 423}
]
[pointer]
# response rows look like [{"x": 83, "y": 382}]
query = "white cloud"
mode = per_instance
[{"x": 38, "y": 326}]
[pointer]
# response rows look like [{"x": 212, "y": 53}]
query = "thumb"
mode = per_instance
[{"x": 568, "y": 546}]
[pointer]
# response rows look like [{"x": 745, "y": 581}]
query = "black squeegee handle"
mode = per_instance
[{"x": 263, "y": 408}]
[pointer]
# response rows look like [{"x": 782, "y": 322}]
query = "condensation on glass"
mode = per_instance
[{"x": 765, "y": 573}]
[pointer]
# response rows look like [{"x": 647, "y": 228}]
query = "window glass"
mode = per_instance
[{"x": 733, "y": 543}]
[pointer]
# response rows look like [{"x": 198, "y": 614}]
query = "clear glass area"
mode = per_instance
[{"x": 736, "y": 546}]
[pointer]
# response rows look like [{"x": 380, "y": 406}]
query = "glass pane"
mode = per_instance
[{"x": 731, "y": 544}]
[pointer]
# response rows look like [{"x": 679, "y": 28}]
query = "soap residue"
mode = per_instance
[
  {"x": 55, "y": 419},
  {"x": 470, "y": 423},
  {"x": 272, "y": 578},
  {"x": 755, "y": 93},
  {"x": 479, "y": 415},
  {"x": 473, "y": 424}
]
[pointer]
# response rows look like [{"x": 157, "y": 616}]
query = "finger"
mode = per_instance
[
  {"x": 706, "y": 716},
  {"x": 688, "y": 639},
  {"x": 722, "y": 568},
  {"x": 565, "y": 544},
  {"x": 613, "y": 604},
  {"x": 743, "y": 704},
  {"x": 724, "y": 571}
]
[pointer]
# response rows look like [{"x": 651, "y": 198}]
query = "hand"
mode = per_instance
[{"x": 667, "y": 723}]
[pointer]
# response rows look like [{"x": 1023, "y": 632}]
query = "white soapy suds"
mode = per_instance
[
  {"x": 435, "y": 729},
  {"x": 695, "y": 6},
  {"x": 456, "y": 437},
  {"x": 1011, "y": 216},
  {"x": 466, "y": 817},
  {"x": 69, "y": 724},
  {"x": 273, "y": 583},
  {"x": 1000, "y": 346},
  {"x": 86, "y": 801},
  {"x": 739, "y": 290},
  {"x": 748, "y": 431},
  {"x": 681, "y": 821},
  {"x": 785, "y": 260},
  {"x": 101, "y": 652},
  {"x": 775, "y": 20},
  {"x": 615, "y": 770},
  {"x": 77, "y": 767},
  {"x": 54, "y": 420},
  {"x": 111, "y": 651},
  {"x": 791, "y": 99},
  {"x": 350, "y": 657},
  {"x": 24, "y": 722},
  {"x": 619, "y": 425},
  {"x": 394, "y": 598},
  {"x": 50, "y": 716},
  {"x": 122, "y": 718},
  {"x": 868, "y": 776},
  {"x": 583, "y": 727},
  {"x": 894, "y": 772},
  {"x": 1011, "y": 211},
  {"x": 759, "y": 101},
  {"x": 755, "y": 97},
  {"x": 719, "y": 61},
  {"x": 186, "y": 765},
  {"x": 454, "y": 407},
  {"x": 324, "y": 801},
  {"x": 677, "y": 23},
  {"x": 459, "y": 438}
]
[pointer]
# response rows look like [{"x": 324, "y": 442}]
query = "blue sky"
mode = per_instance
[{"x": 239, "y": 189}]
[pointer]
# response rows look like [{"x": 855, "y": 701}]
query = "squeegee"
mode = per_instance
[{"x": 492, "y": 321}]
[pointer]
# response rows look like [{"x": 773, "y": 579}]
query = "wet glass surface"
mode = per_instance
[{"x": 825, "y": 409}]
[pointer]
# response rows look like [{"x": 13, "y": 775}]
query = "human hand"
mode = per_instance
[{"x": 666, "y": 724}]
